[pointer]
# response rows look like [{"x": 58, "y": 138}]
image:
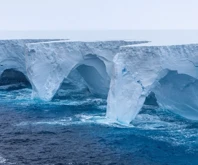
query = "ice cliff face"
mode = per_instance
[
  {"x": 127, "y": 74},
  {"x": 12, "y": 54},
  {"x": 49, "y": 63},
  {"x": 138, "y": 70}
]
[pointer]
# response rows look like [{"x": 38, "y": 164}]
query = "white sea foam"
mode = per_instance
[
  {"x": 2, "y": 159},
  {"x": 79, "y": 119}
]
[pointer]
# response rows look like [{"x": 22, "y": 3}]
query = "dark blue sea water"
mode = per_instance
[{"x": 75, "y": 131}]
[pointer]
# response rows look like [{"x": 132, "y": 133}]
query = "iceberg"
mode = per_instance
[
  {"x": 128, "y": 74},
  {"x": 49, "y": 63},
  {"x": 168, "y": 71},
  {"x": 12, "y": 57}
]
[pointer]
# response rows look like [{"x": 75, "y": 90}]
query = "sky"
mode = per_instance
[{"x": 98, "y": 14}]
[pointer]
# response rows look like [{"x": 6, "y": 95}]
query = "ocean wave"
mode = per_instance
[{"x": 2, "y": 159}]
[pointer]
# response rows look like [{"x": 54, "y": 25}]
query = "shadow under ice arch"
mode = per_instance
[
  {"x": 12, "y": 79},
  {"x": 94, "y": 74},
  {"x": 137, "y": 72},
  {"x": 93, "y": 70},
  {"x": 178, "y": 93}
]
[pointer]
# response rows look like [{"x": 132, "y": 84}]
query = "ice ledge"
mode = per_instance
[
  {"x": 137, "y": 71},
  {"x": 48, "y": 63}
]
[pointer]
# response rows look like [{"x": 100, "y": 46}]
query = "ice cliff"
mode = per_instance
[
  {"x": 49, "y": 63},
  {"x": 121, "y": 71},
  {"x": 12, "y": 54},
  {"x": 169, "y": 71}
]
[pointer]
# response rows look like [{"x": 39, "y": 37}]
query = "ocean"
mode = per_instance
[{"x": 75, "y": 131}]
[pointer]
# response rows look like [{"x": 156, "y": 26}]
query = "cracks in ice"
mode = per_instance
[
  {"x": 192, "y": 63},
  {"x": 139, "y": 82}
]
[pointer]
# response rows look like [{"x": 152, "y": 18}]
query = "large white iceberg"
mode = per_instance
[
  {"x": 12, "y": 54},
  {"x": 139, "y": 70},
  {"x": 124, "y": 72},
  {"x": 49, "y": 63}
]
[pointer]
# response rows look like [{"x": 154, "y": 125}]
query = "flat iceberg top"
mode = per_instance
[
  {"x": 104, "y": 48},
  {"x": 126, "y": 42},
  {"x": 160, "y": 36},
  {"x": 164, "y": 44}
]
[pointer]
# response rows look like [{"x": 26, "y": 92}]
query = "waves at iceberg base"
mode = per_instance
[
  {"x": 125, "y": 75},
  {"x": 64, "y": 123}
]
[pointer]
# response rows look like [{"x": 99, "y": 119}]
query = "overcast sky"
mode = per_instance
[{"x": 98, "y": 14}]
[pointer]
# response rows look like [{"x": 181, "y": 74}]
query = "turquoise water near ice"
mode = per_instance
[{"x": 75, "y": 131}]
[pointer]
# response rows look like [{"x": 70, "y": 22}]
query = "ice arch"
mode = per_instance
[
  {"x": 74, "y": 86},
  {"x": 49, "y": 63},
  {"x": 178, "y": 93},
  {"x": 12, "y": 54},
  {"x": 12, "y": 64},
  {"x": 91, "y": 73},
  {"x": 138, "y": 70}
]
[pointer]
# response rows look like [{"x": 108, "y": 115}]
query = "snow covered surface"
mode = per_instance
[{"x": 156, "y": 36}]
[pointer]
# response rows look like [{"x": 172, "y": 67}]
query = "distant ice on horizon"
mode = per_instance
[{"x": 158, "y": 37}]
